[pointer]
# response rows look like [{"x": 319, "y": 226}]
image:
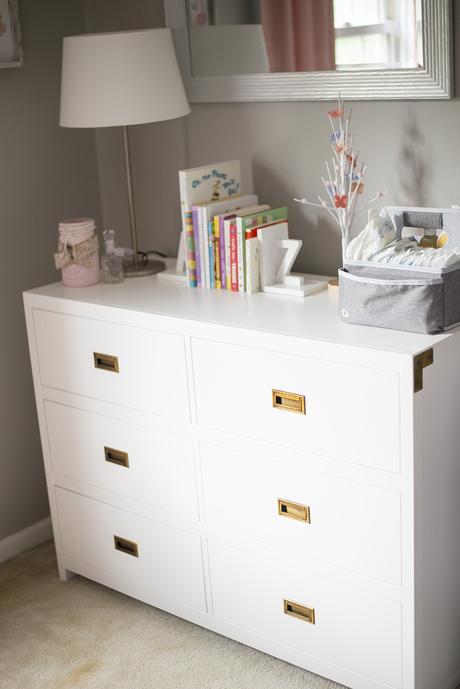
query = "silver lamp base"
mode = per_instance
[{"x": 145, "y": 266}]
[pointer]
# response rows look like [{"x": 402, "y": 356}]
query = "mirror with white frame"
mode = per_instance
[{"x": 251, "y": 50}]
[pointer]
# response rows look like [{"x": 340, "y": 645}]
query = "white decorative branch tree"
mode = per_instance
[{"x": 343, "y": 181}]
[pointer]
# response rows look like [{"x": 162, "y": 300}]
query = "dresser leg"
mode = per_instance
[{"x": 65, "y": 574}]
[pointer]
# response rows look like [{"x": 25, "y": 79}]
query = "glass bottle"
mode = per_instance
[{"x": 112, "y": 265}]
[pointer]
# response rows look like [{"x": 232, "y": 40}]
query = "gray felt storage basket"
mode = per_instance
[
  {"x": 421, "y": 300},
  {"x": 401, "y": 300}
]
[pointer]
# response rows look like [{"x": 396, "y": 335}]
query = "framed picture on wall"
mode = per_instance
[{"x": 10, "y": 35}]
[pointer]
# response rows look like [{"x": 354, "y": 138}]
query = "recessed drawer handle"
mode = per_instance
[
  {"x": 106, "y": 362},
  {"x": 294, "y": 510},
  {"x": 289, "y": 401},
  {"x": 125, "y": 546},
  {"x": 116, "y": 457},
  {"x": 301, "y": 612}
]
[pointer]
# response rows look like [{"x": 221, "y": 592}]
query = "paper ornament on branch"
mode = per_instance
[{"x": 343, "y": 181}]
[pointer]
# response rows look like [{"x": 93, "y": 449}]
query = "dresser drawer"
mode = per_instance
[
  {"x": 339, "y": 410},
  {"x": 137, "y": 368},
  {"x": 304, "y": 515},
  {"x": 152, "y": 466},
  {"x": 155, "y": 563},
  {"x": 316, "y": 615}
]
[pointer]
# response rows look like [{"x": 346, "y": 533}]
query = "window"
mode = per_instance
[{"x": 377, "y": 34}]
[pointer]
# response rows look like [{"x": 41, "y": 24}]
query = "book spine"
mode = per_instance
[
  {"x": 252, "y": 265},
  {"x": 240, "y": 249},
  {"x": 216, "y": 244},
  {"x": 190, "y": 247},
  {"x": 212, "y": 282},
  {"x": 223, "y": 274},
  {"x": 206, "y": 280},
  {"x": 228, "y": 275},
  {"x": 233, "y": 257},
  {"x": 196, "y": 240}
]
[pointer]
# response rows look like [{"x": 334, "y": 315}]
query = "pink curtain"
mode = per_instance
[{"x": 299, "y": 34}]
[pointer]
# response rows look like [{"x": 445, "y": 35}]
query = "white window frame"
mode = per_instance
[{"x": 394, "y": 29}]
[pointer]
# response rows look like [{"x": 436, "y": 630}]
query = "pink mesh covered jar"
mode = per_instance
[{"x": 78, "y": 252}]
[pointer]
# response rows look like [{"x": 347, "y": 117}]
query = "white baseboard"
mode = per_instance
[{"x": 27, "y": 538}]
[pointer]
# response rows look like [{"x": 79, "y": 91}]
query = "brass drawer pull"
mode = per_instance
[
  {"x": 116, "y": 457},
  {"x": 301, "y": 612},
  {"x": 106, "y": 362},
  {"x": 289, "y": 401},
  {"x": 125, "y": 546},
  {"x": 294, "y": 510}
]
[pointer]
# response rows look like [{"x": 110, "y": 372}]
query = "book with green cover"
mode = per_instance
[
  {"x": 254, "y": 212},
  {"x": 267, "y": 217}
]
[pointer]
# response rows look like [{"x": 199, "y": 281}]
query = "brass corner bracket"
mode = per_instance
[{"x": 421, "y": 361}]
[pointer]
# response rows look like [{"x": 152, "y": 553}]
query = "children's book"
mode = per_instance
[
  {"x": 190, "y": 247},
  {"x": 202, "y": 185},
  {"x": 217, "y": 251},
  {"x": 241, "y": 223},
  {"x": 222, "y": 255},
  {"x": 250, "y": 224},
  {"x": 228, "y": 221},
  {"x": 227, "y": 224},
  {"x": 252, "y": 258},
  {"x": 211, "y": 255},
  {"x": 207, "y": 212},
  {"x": 233, "y": 257},
  {"x": 267, "y": 217},
  {"x": 198, "y": 251}
]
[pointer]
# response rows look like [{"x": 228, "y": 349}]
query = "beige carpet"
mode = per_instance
[{"x": 80, "y": 635}]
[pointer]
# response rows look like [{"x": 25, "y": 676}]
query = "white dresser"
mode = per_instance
[{"x": 256, "y": 466}]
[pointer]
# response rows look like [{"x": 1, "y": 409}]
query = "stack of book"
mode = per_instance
[{"x": 221, "y": 228}]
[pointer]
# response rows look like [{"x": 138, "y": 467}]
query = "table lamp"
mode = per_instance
[{"x": 122, "y": 79}]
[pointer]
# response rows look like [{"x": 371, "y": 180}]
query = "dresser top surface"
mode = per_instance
[{"x": 313, "y": 318}]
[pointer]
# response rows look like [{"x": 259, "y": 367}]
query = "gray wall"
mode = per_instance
[
  {"x": 412, "y": 150},
  {"x": 46, "y": 174}
]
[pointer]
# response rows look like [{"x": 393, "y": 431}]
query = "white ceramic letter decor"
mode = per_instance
[{"x": 277, "y": 256}]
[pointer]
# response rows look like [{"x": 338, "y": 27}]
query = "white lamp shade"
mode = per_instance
[{"x": 115, "y": 79}]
